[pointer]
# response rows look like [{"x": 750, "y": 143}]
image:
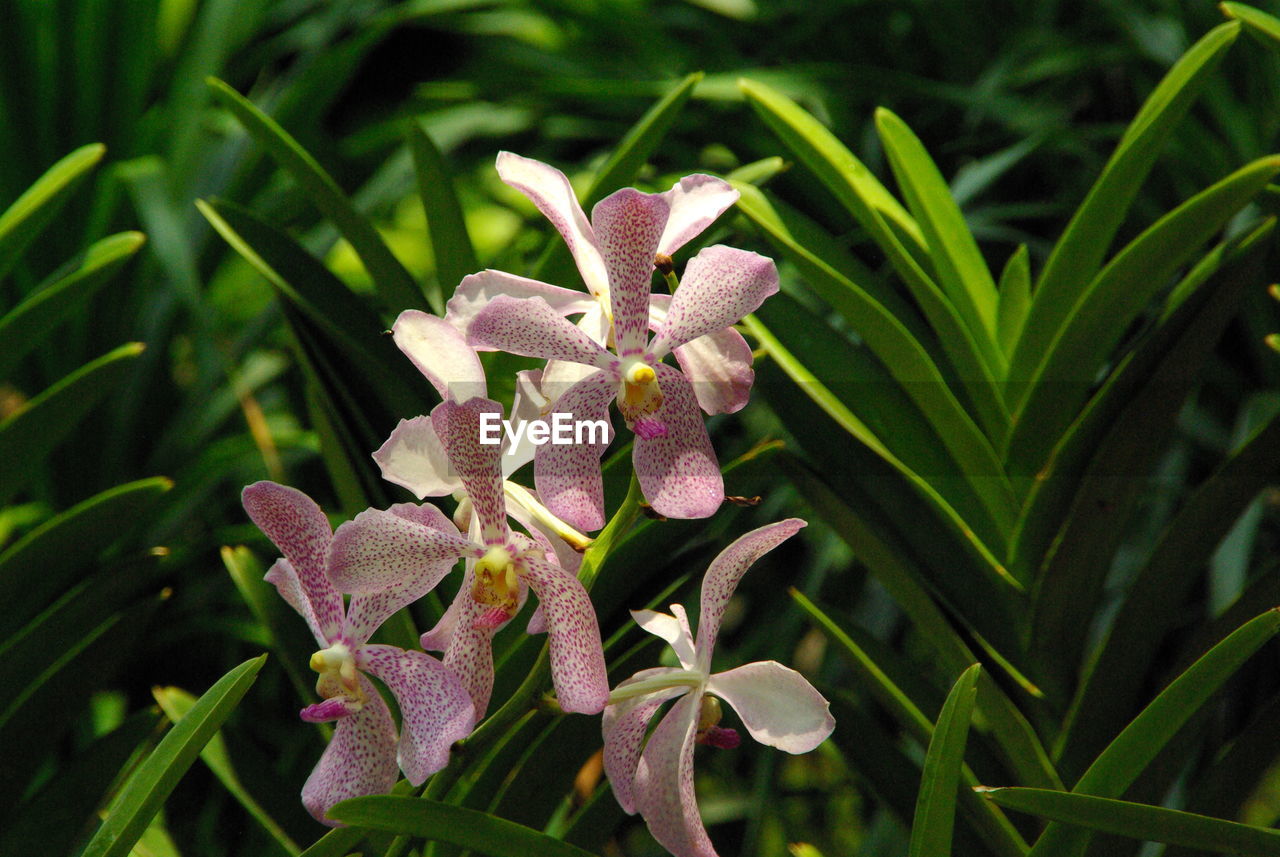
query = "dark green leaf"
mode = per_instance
[
  {"x": 451, "y": 244},
  {"x": 936, "y": 804}
]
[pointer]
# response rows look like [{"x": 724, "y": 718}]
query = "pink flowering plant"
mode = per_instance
[{"x": 511, "y": 540}]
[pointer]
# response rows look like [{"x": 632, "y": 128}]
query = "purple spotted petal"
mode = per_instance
[
  {"x": 548, "y": 189},
  {"x": 414, "y": 458},
  {"x": 360, "y": 759},
  {"x": 776, "y": 704},
  {"x": 695, "y": 201},
  {"x": 718, "y": 366},
  {"x": 441, "y": 353},
  {"x": 624, "y": 726},
  {"x": 628, "y": 225},
  {"x": 560, "y": 375},
  {"x": 724, "y": 573},
  {"x": 719, "y": 287},
  {"x": 329, "y": 710},
  {"x": 664, "y": 783},
  {"x": 474, "y": 293},
  {"x": 462, "y": 428},
  {"x": 526, "y": 406},
  {"x": 296, "y": 526},
  {"x": 282, "y": 576},
  {"x": 531, "y": 328},
  {"x": 672, "y": 628},
  {"x": 673, "y": 458},
  {"x": 577, "y": 655},
  {"x": 369, "y": 610},
  {"x": 469, "y": 652},
  {"x": 568, "y": 475},
  {"x": 380, "y": 549},
  {"x": 435, "y": 709}
]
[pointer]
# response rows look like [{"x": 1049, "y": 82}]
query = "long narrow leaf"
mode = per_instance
[
  {"x": 1140, "y": 821},
  {"x": 395, "y": 285},
  {"x": 444, "y": 822},
  {"x": 450, "y": 243},
  {"x": 936, "y": 805},
  {"x": 1128, "y": 755},
  {"x": 1079, "y": 252},
  {"x": 32, "y": 212},
  {"x": 151, "y": 783}
]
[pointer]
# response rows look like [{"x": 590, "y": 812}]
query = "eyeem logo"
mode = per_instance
[{"x": 561, "y": 430}]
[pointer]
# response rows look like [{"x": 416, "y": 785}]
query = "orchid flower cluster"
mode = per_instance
[{"x": 514, "y": 539}]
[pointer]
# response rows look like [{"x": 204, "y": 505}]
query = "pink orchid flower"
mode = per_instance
[
  {"x": 379, "y": 546},
  {"x": 776, "y": 704},
  {"x": 673, "y": 458},
  {"x": 435, "y": 708},
  {"x": 414, "y": 458},
  {"x": 718, "y": 363}
]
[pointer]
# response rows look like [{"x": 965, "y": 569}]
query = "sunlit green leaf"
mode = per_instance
[
  {"x": 32, "y": 212},
  {"x": 936, "y": 804},
  {"x": 451, "y": 244}
]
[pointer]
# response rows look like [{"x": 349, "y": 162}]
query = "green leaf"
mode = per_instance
[
  {"x": 444, "y": 822},
  {"x": 1015, "y": 298},
  {"x": 47, "y": 561},
  {"x": 995, "y": 575},
  {"x": 335, "y": 843},
  {"x": 1080, "y": 250},
  {"x": 145, "y": 792},
  {"x": 451, "y": 244},
  {"x": 32, "y": 212},
  {"x": 936, "y": 804},
  {"x": 1263, "y": 27},
  {"x": 848, "y": 179},
  {"x": 395, "y": 285},
  {"x": 966, "y": 281},
  {"x": 178, "y": 704},
  {"x": 641, "y": 141},
  {"x": 1059, "y": 383},
  {"x": 31, "y": 321},
  {"x": 30, "y": 434},
  {"x": 877, "y": 312},
  {"x": 907, "y": 586},
  {"x": 1128, "y": 755},
  {"x": 1069, "y": 581},
  {"x": 995, "y": 829},
  {"x": 1141, "y": 821},
  {"x": 1155, "y": 598},
  {"x": 346, "y": 321}
]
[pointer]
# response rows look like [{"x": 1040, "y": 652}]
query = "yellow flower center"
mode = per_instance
[
  {"x": 338, "y": 674},
  {"x": 641, "y": 394},
  {"x": 497, "y": 583}
]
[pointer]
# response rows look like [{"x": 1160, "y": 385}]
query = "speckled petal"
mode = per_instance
[
  {"x": 664, "y": 783},
  {"x": 469, "y": 653},
  {"x": 367, "y": 611},
  {"x": 673, "y": 458},
  {"x": 527, "y": 405},
  {"x": 568, "y": 475},
  {"x": 722, "y": 577},
  {"x": 673, "y": 629},
  {"x": 379, "y": 549},
  {"x": 435, "y": 709},
  {"x": 549, "y": 189},
  {"x": 282, "y": 576},
  {"x": 695, "y": 202},
  {"x": 474, "y": 293},
  {"x": 577, "y": 655},
  {"x": 531, "y": 328},
  {"x": 718, "y": 366},
  {"x": 776, "y": 704},
  {"x": 624, "y": 726},
  {"x": 628, "y": 225},
  {"x": 556, "y": 548},
  {"x": 560, "y": 375},
  {"x": 360, "y": 759},
  {"x": 414, "y": 458},
  {"x": 719, "y": 287},
  {"x": 297, "y": 526},
  {"x": 441, "y": 353},
  {"x": 478, "y": 464}
]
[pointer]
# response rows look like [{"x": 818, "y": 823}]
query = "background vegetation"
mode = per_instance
[{"x": 150, "y": 370}]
